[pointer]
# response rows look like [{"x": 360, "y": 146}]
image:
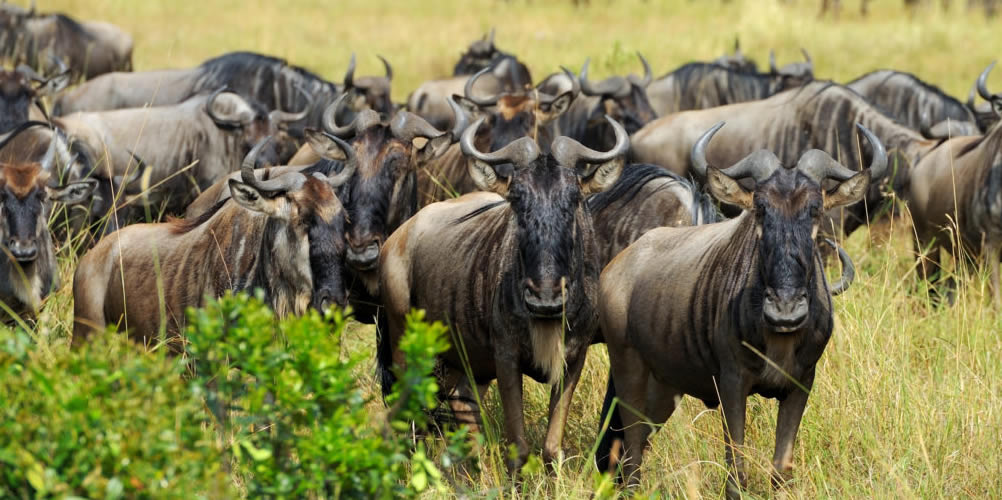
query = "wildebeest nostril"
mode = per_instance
[{"x": 786, "y": 310}]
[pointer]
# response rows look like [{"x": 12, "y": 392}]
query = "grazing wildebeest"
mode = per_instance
[
  {"x": 623, "y": 99},
  {"x": 267, "y": 237},
  {"x": 955, "y": 196},
  {"x": 90, "y": 48},
  {"x": 216, "y": 130},
  {"x": 723, "y": 311},
  {"x": 430, "y": 100},
  {"x": 815, "y": 116},
  {"x": 507, "y": 118},
  {"x": 706, "y": 85},
  {"x": 513, "y": 270},
  {"x": 378, "y": 197},
  {"x": 916, "y": 104},
  {"x": 28, "y": 270}
]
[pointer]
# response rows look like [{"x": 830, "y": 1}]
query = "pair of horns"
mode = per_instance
[
  {"x": 772, "y": 60},
  {"x": 489, "y": 101},
  {"x": 405, "y": 125},
  {"x": 277, "y": 116},
  {"x": 614, "y": 85},
  {"x": 349, "y": 76},
  {"x": 293, "y": 180}
]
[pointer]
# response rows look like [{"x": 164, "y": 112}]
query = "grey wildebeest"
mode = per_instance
[
  {"x": 513, "y": 270},
  {"x": 723, "y": 311},
  {"x": 916, "y": 104},
  {"x": 737, "y": 61},
  {"x": 268, "y": 236},
  {"x": 706, "y": 85},
  {"x": 815, "y": 116},
  {"x": 28, "y": 269},
  {"x": 988, "y": 114},
  {"x": 955, "y": 196},
  {"x": 90, "y": 48},
  {"x": 378, "y": 197},
  {"x": 215, "y": 130},
  {"x": 507, "y": 117}
]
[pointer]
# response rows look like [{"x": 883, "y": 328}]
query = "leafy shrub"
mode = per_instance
[
  {"x": 105, "y": 421},
  {"x": 295, "y": 412}
]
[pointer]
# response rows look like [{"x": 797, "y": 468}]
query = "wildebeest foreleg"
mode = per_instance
[
  {"x": 791, "y": 412},
  {"x": 630, "y": 375},
  {"x": 733, "y": 398},
  {"x": 509, "y": 377},
  {"x": 560, "y": 402}
]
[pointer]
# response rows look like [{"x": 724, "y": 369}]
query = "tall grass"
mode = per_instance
[{"x": 908, "y": 398}]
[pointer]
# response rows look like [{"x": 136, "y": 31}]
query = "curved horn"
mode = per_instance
[
  {"x": 386, "y": 67},
  {"x": 406, "y": 126},
  {"x": 758, "y": 165},
  {"x": 349, "y": 162},
  {"x": 925, "y": 125},
  {"x": 878, "y": 164},
  {"x": 569, "y": 152},
  {"x": 609, "y": 86},
  {"x": 807, "y": 57},
  {"x": 349, "y": 76},
  {"x": 212, "y": 114},
  {"x": 819, "y": 165},
  {"x": 698, "y": 156},
  {"x": 329, "y": 120},
  {"x": 9, "y": 136},
  {"x": 848, "y": 270},
  {"x": 970, "y": 99},
  {"x": 468, "y": 90},
  {"x": 286, "y": 182},
  {"x": 648, "y": 74},
  {"x": 460, "y": 119},
  {"x": 522, "y": 151},
  {"x": 772, "y": 62},
  {"x": 490, "y": 39},
  {"x": 982, "y": 83},
  {"x": 289, "y": 117}
]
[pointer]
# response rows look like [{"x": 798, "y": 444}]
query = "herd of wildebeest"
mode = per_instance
[{"x": 581, "y": 218}]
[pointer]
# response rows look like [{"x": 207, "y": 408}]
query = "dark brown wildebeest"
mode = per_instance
[
  {"x": 955, "y": 193},
  {"x": 507, "y": 117},
  {"x": 216, "y": 130},
  {"x": 817, "y": 115},
  {"x": 706, "y": 85},
  {"x": 28, "y": 270},
  {"x": 90, "y": 48},
  {"x": 267, "y": 237},
  {"x": 916, "y": 104},
  {"x": 723, "y": 311},
  {"x": 513, "y": 270}
]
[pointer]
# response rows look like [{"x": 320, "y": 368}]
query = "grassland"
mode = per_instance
[{"x": 908, "y": 398}]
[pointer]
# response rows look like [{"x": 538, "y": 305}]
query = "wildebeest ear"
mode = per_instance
[
  {"x": 848, "y": 191},
  {"x": 557, "y": 107},
  {"x": 728, "y": 190},
  {"x": 73, "y": 193},
  {"x": 323, "y": 145},
  {"x": 604, "y": 176},
  {"x": 433, "y": 148},
  {"x": 486, "y": 178},
  {"x": 252, "y": 199}
]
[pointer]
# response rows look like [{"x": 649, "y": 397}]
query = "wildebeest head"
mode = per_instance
[
  {"x": 737, "y": 61},
  {"x": 792, "y": 75},
  {"x": 788, "y": 205},
  {"x": 546, "y": 195},
  {"x": 985, "y": 116},
  {"x": 368, "y": 92},
  {"x": 306, "y": 207},
  {"x": 21, "y": 88},
  {"x": 478, "y": 56},
  {"x": 382, "y": 193},
  {"x": 231, "y": 112},
  {"x": 624, "y": 99},
  {"x": 508, "y": 117}
]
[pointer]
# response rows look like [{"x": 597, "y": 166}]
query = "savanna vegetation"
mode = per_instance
[{"x": 907, "y": 400}]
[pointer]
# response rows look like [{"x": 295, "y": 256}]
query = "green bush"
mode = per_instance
[
  {"x": 294, "y": 411},
  {"x": 105, "y": 421}
]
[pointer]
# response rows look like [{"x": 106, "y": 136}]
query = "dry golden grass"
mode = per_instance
[{"x": 908, "y": 399}]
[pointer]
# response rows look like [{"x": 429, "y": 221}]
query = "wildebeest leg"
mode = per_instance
[
  {"x": 560, "y": 402},
  {"x": 791, "y": 412},
  {"x": 992, "y": 254},
  {"x": 630, "y": 375},
  {"x": 510, "y": 388},
  {"x": 733, "y": 398},
  {"x": 463, "y": 401}
]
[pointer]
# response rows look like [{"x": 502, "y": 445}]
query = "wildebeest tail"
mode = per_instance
[{"x": 613, "y": 433}]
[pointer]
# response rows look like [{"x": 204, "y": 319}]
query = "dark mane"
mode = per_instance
[
  {"x": 234, "y": 64},
  {"x": 479, "y": 211},
  {"x": 71, "y": 24},
  {"x": 182, "y": 226},
  {"x": 633, "y": 178},
  {"x": 915, "y": 80}
]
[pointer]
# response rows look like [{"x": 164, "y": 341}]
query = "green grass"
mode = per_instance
[{"x": 908, "y": 398}]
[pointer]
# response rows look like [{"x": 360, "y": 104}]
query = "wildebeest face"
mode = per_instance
[
  {"x": 515, "y": 116},
  {"x": 16, "y": 95},
  {"x": 633, "y": 110},
  {"x": 25, "y": 204}
]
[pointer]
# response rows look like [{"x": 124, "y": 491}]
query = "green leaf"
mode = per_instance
[{"x": 258, "y": 454}]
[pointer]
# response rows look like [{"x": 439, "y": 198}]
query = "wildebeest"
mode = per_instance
[
  {"x": 28, "y": 269},
  {"x": 737, "y": 61},
  {"x": 987, "y": 115},
  {"x": 265, "y": 237},
  {"x": 706, "y": 85},
  {"x": 90, "y": 48},
  {"x": 507, "y": 118},
  {"x": 215, "y": 130},
  {"x": 479, "y": 55},
  {"x": 623, "y": 99},
  {"x": 723, "y": 311},
  {"x": 815, "y": 116},
  {"x": 21, "y": 94},
  {"x": 955, "y": 196},
  {"x": 513, "y": 269},
  {"x": 916, "y": 104}
]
